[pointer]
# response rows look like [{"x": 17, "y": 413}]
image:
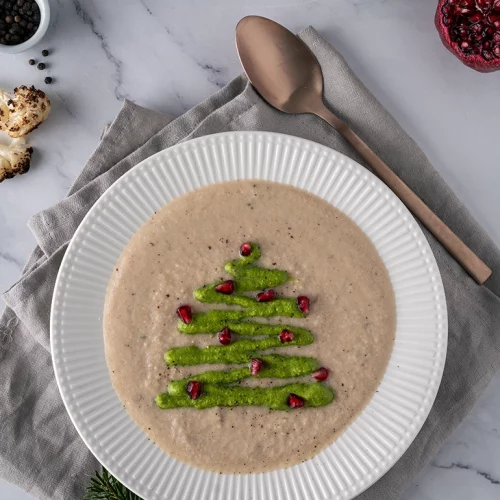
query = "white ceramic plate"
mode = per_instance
[{"x": 388, "y": 424}]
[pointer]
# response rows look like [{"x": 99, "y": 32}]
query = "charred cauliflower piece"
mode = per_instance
[
  {"x": 23, "y": 111},
  {"x": 15, "y": 159}
]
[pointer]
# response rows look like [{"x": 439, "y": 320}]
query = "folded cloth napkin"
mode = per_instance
[{"x": 39, "y": 448}]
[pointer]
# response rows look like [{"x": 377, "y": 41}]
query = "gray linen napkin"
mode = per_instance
[{"x": 42, "y": 452}]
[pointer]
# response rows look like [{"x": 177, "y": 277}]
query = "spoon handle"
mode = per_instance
[{"x": 462, "y": 253}]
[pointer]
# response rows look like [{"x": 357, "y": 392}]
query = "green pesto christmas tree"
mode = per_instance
[{"x": 242, "y": 342}]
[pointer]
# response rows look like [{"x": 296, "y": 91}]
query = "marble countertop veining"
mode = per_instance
[{"x": 170, "y": 55}]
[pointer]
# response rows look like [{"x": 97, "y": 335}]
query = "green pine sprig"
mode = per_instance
[{"x": 106, "y": 487}]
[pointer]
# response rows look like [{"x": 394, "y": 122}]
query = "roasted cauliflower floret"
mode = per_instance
[
  {"x": 23, "y": 111},
  {"x": 15, "y": 159}
]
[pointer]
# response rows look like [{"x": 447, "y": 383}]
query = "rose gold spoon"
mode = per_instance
[{"x": 287, "y": 75}]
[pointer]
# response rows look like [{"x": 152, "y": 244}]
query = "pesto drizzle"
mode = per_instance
[{"x": 220, "y": 388}]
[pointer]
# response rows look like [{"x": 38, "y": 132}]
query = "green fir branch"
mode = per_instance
[{"x": 106, "y": 487}]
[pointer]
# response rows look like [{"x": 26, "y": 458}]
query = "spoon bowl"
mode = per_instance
[
  {"x": 282, "y": 68},
  {"x": 288, "y": 76}
]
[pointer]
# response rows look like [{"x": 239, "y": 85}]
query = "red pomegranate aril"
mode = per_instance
[
  {"x": 194, "y": 389},
  {"x": 266, "y": 296},
  {"x": 227, "y": 287},
  {"x": 224, "y": 336},
  {"x": 286, "y": 336},
  {"x": 295, "y": 401},
  {"x": 447, "y": 9},
  {"x": 484, "y": 4},
  {"x": 465, "y": 11},
  {"x": 185, "y": 314},
  {"x": 477, "y": 29},
  {"x": 303, "y": 304},
  {"x": 495, "y": 20},
  {"x": 321, "y": 374},
  {"x": 245, "y": 249},
  {"x": 256, "y": 365},
  {"x": 496, "y": 50}
]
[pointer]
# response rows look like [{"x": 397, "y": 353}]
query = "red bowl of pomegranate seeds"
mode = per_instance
[{"x": 23, "y": 23}]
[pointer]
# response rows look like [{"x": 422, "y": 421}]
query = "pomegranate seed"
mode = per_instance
[
  {"x": 256, "y": 366},
  {"x": 303, "y": 304},
  {"x": 321, "y": 374},
  {"x": 286, "y": 336},
  {"x": 266, "y": 296},
  {"x": 295, "y": 401},
  {"x": 495, "y": 20},
  {"x": 194, "y": 389},
  {"x": 496, "y": 37},
  {"x": 224, "y": 336},
  {"x": 475, "y": 18},
  {"x": 227, "y": 287},
  {"x": 245, "y": 249},
  {"x": 446, "y": 10},
  {"x": 484, "y": 4},
  {"x": 185, "y": 314},
  {"x": 488, "y": 55},
  {"x": 477, "y": 29},
  {"x": 496, "y": 50}
]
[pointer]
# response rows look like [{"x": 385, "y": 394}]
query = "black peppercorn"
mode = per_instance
[
  {"x": 45, "y": 53},
  {"x": 31, "y": 62},
  {"x": 48, "y": 80},
  {"x": 41, "y": 66}
]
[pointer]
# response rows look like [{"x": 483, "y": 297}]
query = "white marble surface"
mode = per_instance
[{"x": 171, "y": 55}]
